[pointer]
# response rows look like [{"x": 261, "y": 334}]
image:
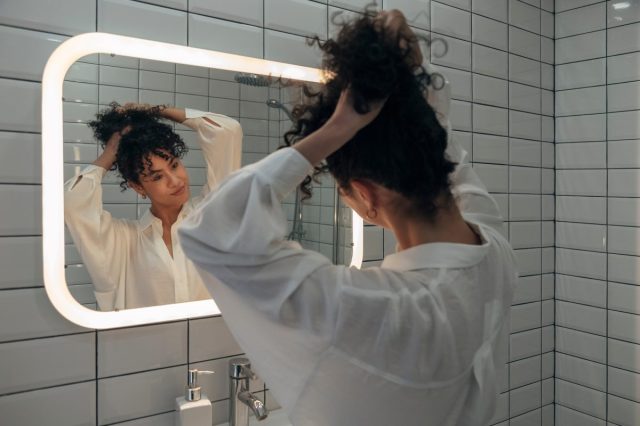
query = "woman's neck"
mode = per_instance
[
  {"x": 167, "y": 215},
  {"x": 447, "y": 227}
]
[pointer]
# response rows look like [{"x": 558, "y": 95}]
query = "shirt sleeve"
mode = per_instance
[
  {"x": 474, "y": 200},
  {"x": 220, "y": 138},
  {"x": 99, "y": 238},
  {"x": 279, "y": 300}
]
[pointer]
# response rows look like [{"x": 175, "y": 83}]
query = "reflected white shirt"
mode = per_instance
[
  {"x": 129, "y": 262},
  {"x": 416, "y": 341}
]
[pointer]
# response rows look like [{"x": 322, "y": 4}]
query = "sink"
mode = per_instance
[{"x": 275, "y": 418}]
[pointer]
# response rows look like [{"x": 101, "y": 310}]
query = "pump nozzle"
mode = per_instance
[{"x": 193, "y": 390}]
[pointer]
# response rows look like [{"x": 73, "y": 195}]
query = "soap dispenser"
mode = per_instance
[{"x": 194, "y": 408}]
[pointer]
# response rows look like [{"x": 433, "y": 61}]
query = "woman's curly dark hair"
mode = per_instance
[
  {"x": 147, "y": 136},
  {"x": 403, "y": 149}
]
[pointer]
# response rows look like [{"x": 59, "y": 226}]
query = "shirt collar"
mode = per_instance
[
  {"x": 148, "y": 219},
  {"x": 439, "y": 255}
]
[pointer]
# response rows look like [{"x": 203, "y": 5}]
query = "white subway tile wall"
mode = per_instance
[
  {"x": 501, "y": 57},
  {"x": 597, "y": 161}
]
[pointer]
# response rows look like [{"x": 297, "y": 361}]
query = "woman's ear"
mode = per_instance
[
  {"x": 365, "y": 191},
  {"x": 138, "y": 188}
]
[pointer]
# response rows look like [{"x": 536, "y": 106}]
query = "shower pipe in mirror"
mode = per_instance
[{"x": 52, "y": 165}]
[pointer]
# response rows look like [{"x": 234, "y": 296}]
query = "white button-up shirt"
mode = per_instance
[
  {"x": 419, "y": 340},
  {"x": 128, "y": 260}
]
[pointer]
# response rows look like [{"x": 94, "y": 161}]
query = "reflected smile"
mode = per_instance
[{"x": 180, "y": 191}]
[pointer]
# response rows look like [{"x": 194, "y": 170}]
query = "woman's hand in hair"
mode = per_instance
[
  {"x": 108, "y": 156},
  {"x": 395, "y": 22},
  {"x": 174, "y": 114},
  {"x": 346, "y": 117},
  {"x": 134, "y": 105},
  {"x": 338, "y": 130}
]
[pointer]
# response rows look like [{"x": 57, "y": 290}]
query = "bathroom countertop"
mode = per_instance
[{"x": 275, "y": 418}]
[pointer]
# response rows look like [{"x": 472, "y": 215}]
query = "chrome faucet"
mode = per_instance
[{"x": 240, "y": 399}]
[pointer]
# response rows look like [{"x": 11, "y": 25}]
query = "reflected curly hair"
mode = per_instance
[
  {"x": 148, "y": 136},
  {"x": 403, "y": 149}
]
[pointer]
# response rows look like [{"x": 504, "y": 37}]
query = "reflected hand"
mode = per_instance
[
  {"x": 133, "y": 106},
  {"x": 164, "y": 111},
  {"x": 108, "y": 156},
  {"x": 114, "y": 140},
  {"x": 111, "y": 147}
]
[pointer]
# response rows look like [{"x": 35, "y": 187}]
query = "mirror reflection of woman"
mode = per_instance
[{"x": 138, "y": 263}]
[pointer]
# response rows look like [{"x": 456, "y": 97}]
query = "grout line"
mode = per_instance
[
  {"x": 580, "y": 384},
  {"x": 574, "y": 302},
  {"x": 580, "y": 7},
  {"x": 595, "y": 58},
  {"x": 605, "y": 29},
  {"x": 601, "y": 391},
  {"x": 594, "y": 86},
  {"x": 599, "y": 224},
  {"x": 541, "y": 214},
  {"x": 606, "y": 112},
  {"x": 144, "y": 371},
  {"x": 41, "y": 388},
  {"x": 585, "y": 331},
  {"x": 584, "y": 33},
  {"x": 507, "y": 225},
  {"x": 188, "y": 13},
  {"x": 23, "y": 79},
  {"x": 37, "y": 30},
  {"x": 473, "y": 98},
  {"x": 520, "y": 414},
  {"x": 581, "y": 412},
  {"x": 606, "y": 134},
  {"x": 604, "y": 364}
]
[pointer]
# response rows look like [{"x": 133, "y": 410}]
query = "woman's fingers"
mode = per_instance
[
  {"x": 396, "y": 23},
  {"x": 113, "y": 142},
  {"x": 346, "y": 114},
  {"x": 135, "y": 105}
]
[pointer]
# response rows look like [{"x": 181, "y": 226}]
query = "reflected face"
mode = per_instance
[{"x": 165, "y": 182}]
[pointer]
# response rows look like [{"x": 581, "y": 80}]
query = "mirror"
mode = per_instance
[
  {"x": 99, "y": 273},
  {"x": 260, "y": 102}
]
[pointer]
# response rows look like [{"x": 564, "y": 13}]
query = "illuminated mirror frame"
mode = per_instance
[{"x": 52, "y": 166}]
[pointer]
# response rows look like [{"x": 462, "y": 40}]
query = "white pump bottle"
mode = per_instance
[{"x": 194, "y": 408}]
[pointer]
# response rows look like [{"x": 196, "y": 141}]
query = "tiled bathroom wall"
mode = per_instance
[
  {"x": 503, "y": 113},
  {"x": 500, "y": 63},
  {"x": 597, "y": 161}
]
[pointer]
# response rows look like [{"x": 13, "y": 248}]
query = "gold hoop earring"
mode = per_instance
[{"x": 372, "y": 214}]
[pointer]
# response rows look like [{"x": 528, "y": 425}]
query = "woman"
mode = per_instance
[
  {"x": 416, "y": 341},
  {"x": 138, "y": 263}
]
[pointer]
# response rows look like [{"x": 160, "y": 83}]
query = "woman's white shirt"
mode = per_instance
[
  {"x": 420, "y": 340},
  {"x": 128, "y": 261}
]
